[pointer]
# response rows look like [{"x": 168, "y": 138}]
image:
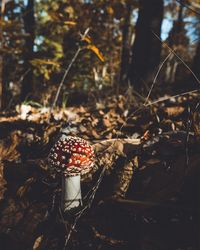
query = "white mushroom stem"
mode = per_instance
[{"x": 71, "y": 192}]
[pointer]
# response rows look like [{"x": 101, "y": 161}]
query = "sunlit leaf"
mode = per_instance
[
  {"x": 53, "y": 16},
  {"x": 87, "y": 39},
  {"x": 36, "y": 62},
  {"x": 70, "y": 23},
  {"x": 96, "y": 51},
  {"x": 5, "y": 23},
  {"x": 110, "y": 10},
  {"x": 47, "y": 74}
]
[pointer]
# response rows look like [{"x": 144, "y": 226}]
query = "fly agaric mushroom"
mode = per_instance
[{"x": 71, "y": 157}]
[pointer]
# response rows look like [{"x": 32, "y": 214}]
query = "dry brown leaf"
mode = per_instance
[
  {"x": 24, "y": 189},
  {"x": 106, "y": 239},
  {"x": 82, "y": 128},
  {"x": 95, "y": 134},
  {"x": 37, "y": 243},
  {"x": 106, "y": 122},
  {"x": 174, "y": 111},
  {"x": 8, "y": 149},
  {"x": 152, "y": 161}
]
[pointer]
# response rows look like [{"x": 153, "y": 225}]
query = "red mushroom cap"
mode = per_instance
[{"x": 71, "y": 156}]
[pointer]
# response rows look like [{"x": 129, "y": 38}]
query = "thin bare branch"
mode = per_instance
[
  {"x": 149, "y": 204},
  {"x": 192, "y": 6},
  {"x": 155, "y": 78},
  {"x": 67, "y": 71},
  {"x": 185, "y": 64},
  {"x": 162, "y": 99},
  {"x": 89, "y": 197}
]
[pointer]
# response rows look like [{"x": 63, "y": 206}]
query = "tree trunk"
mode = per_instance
[
  {"x": 178, "y": 31},
  {"x": 178, "y": 41},
  {"x": 1, "y": 82},
  {"x": 146, "y": 48},
  {"x": 126, "y": 43},
  {"x": 29, "y": 26},
  {"x": 1, "y": 54},
  {"x": 196, "y": 63}
]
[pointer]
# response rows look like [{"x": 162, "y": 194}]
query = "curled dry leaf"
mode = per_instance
[
  {"x": 37, "y": 243},
  {"x": 174, "y": 111},
  {"x": 109, "y": 151},
  {"x": 24, "y": 189}
]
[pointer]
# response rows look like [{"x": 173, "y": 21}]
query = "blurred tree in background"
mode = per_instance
[
  {"x": 29, "y": 28},
  {"x": 146, "y": 48},
  {"x": 40, "y": 37}
]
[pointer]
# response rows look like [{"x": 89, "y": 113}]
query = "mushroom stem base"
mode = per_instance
[{"x": 71, "y": 192}]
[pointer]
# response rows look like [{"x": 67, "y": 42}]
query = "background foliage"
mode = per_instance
[{"x": 40, "y": 38}]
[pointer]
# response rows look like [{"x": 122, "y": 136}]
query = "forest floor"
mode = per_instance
[{"x": 143, "y": 194}]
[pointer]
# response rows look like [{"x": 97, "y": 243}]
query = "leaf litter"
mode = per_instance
[{"x": 146, "y": 181}]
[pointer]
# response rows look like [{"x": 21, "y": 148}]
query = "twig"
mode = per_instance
[
  {"x": 149, "y": 204},
  {"x": 90, "y": 196},
  {"x": 23, "y": 76},
  {"x": 189, "y": 124},
  {"x": 123, "y": 140},
  {"x": 185, "y": 64},
  {"x": 162, "y": 99},
  {"x": 107, "y": 239},
  {"x": 155, "y": 78},
  {"x": 67, "y": 71},
  {"x": 191, "y": 6}
]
